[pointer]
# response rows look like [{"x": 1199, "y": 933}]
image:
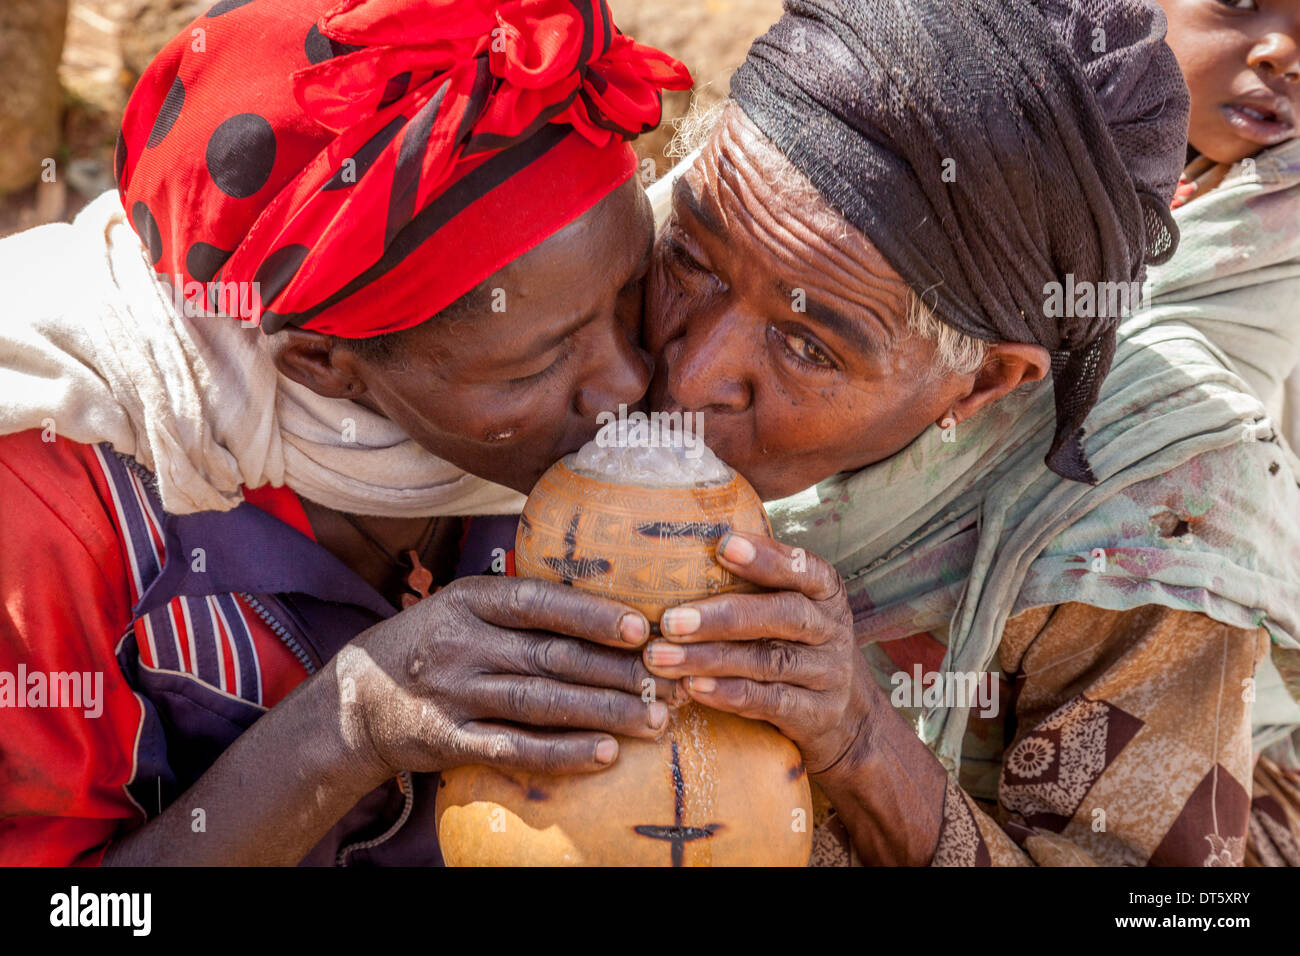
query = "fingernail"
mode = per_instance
[
  {"x": 703, "y": 685},
  {"x": 658, "y": 714},
  {"x": 737, "y": 550},
  {"x": 680, "y": 620},
  {"x": 632, "y": 628},
  {"x": 663, "y": 654},
  {"x": 606, "y": 750}
]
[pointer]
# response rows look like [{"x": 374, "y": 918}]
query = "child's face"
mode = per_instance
[{"x": 1242, "y": 63}]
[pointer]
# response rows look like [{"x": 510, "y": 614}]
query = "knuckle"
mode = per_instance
[
  {"x": 821, "y": 567},
  {"x": 549, "y": 600},
  {"x": 781, "y": 701},
  {"x": 810, "y": 620},
  {"x": 554, "y": 757},
  {"x": 543, "y": 656},
  {"x": 733, "y": 619},
  {"x": 613, "y": 711},
  {"x": 805, "y": 614},
  {"x": 633, "y": 672},
  {"x": 751, "y": 697},
  {"x": 827, "y": 672},
  {"x": 501, "y": 747},
  {"x": 781, "y": 659},
  {"x": 832, "y": 585},
  {"x": 464, "y": 597},
  {"x": 583, "y": 660},
  {"x": 518, "y": 698},
  {"x": 550, "y": 702},
  {"x": 558, "y": 704},
  {"x": 795, "y": 609},
  {"x": 567, "y": 659},
  {"x": 553, "y": 704},
  {"x": 525, "y": 597},
  {"x": 801, "y": 614}
]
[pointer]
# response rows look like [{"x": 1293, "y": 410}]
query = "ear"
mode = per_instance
[
  {"x": 1007, "y": 366},
  {"x": 311, "y": 359}
]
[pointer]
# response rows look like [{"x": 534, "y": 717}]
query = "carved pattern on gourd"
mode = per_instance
[
  {"x": 679, "y": 834},
  {"x": 614, "y": 556}
]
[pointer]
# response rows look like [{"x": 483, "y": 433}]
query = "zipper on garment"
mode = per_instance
[
  {"x": 407, "y": 786},
  {"x": 287, "y": 639},
  {"x": 405, "y": 783}
]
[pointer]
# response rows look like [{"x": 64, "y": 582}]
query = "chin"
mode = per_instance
[
  {"x": 528, "y": 475},
  {"x": 758, "y": 476},
  {"x": 1224, "y": 146},
  {"x": 772, "y": 481},
  {"x": 775, "y": 489}
]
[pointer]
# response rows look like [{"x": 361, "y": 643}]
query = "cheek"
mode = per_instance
[
  {"x": 1211, "y": 60},
  {"x": 866, "y": 421},
  {"x": 534, "y": 410},
  {"x": 1205, "y": 75},
  {"x": 902, "y": 415},
  {"x": 792, "y": 444},
  {"x": 837, "y": 422},
  {"x": 489, "y": 414},
  {"x": 914, "y": 392}
]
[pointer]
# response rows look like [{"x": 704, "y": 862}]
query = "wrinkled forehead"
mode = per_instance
[
  {"x": 771, "y": 221},
  {"x": 742, "y": 180}
]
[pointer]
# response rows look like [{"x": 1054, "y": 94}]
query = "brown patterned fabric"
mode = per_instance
[
  {"x": 1132, "y": 746},
  {"x": 1123, "y": 738},
  {"x": 1274, "y": 829},
  {"x": 960, "y": 841},
  {"x": 831, "y": 843}
]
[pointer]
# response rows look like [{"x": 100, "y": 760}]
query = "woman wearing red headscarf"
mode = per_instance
[{"x": 429, "y": 209}]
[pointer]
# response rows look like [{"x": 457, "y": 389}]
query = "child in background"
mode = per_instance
[{"x": 1236, "y": 275}]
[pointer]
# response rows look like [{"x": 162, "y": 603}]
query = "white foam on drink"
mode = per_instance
[{"x": 629, "y": 456}]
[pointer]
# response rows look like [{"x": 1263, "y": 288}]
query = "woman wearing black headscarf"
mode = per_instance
[{"x": 922, "y": 212}]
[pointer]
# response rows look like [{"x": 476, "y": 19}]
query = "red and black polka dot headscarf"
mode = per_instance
[{"x": 369, "y": 162}]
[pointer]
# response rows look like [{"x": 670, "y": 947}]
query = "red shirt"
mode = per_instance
[{"x": 80, "y": 539}]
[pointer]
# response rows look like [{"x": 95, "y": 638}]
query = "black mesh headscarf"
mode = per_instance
[{"x": 1064, "y": 124}]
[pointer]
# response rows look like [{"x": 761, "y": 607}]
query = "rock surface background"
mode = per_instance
[
  {"x": 31, "y": 41},
  {"x": 68, "y": 108}
]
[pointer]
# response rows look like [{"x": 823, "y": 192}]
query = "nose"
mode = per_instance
[
  {"x": 618, "y": 375},
  {"x": 707, "y": 363},
  {"x": 1278, "y": 54}
]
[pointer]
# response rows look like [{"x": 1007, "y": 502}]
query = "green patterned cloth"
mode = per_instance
[{"x": 1236, "y": 276}]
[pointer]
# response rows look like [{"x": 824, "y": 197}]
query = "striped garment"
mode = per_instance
[
  {"x": 192, "y": 625},
  {"x": 210, "y": 637}
]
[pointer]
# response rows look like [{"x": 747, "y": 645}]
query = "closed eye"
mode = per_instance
[
  {"x": 679, "y": 255},
  {"x": 683, "y": 263},
  {"x": 555, "y": 366}
]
